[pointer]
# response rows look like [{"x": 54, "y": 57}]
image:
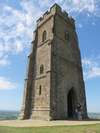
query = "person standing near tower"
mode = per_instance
[{"x": 79, "y": 111}]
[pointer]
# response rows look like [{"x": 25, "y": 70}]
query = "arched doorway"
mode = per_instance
[{"x": 72, "y": 100}]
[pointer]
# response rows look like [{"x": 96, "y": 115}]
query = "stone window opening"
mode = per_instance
[
  {"x": 40, "y": 90},
  {"x": 44, "y": 36},
  {"x": 41, "y": 69},
  {"x": 67, "y": 36}
]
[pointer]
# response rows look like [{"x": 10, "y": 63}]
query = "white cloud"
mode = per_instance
[
  {"x": 91, "y": 67},
  {"x": 5, "y": 84},
  {"x": 16, "y": 29},
  {"x": 4, "y": 60},
  {"x": 94, "y": 72},
  {"x": 18, "y": 46},
  {"x": 20, "y": 28},
  {"x": 81, "y": 5}
]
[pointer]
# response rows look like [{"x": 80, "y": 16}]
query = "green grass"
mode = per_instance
[{"x": 55, "y": 129}]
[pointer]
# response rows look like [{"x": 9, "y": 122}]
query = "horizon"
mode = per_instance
[
  {"x": 18, "y": 21},
  {"x": 20, "y": 111}
]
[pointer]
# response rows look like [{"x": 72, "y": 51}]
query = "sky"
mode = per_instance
[{"x": 17, "y": 23}]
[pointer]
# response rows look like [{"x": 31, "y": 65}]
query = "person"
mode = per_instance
[
  {"x": 76, "y": 113},
  {"x": 79, "y": 111}
]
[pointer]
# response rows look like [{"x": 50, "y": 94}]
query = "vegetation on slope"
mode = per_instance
[{"x": 56, "y": 129}]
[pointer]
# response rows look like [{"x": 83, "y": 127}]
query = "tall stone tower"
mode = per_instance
[{"x": 54, "y": 84}]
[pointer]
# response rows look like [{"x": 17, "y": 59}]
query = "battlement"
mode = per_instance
[{"x": 55, "y": 9}]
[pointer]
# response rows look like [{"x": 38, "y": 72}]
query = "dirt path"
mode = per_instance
[{"x": 38, "y": 123}]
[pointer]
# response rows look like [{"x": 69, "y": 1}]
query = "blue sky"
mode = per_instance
[{"x": 17, "y": 23}]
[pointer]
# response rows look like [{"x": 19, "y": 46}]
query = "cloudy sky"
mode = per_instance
[{"x": 17, "y": 23}]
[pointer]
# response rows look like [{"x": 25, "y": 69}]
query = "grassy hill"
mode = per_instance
[{"x": 57, "y": 129}]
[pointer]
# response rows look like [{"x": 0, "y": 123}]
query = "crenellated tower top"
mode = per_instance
[{"x": 56, "y": 9}]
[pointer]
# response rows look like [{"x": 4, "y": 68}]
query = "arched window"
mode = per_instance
[
  {"x": 40, "y": 90},
  {"x": 44, "y": 36},
  {"x": 41, "y": 69}
]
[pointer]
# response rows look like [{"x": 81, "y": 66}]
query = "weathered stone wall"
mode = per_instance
[
  {"x": 41, "y": 109},
  {"x": 66, "y": 69},
  {"x": 60, "y": 56}
]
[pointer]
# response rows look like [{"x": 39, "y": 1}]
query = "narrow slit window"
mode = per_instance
[
  {"x": 67, "y": 36},
  {"x": 44, "y": 36},
  {"x": 41, "y": 69},
  {"x": 40, "y": 90}
]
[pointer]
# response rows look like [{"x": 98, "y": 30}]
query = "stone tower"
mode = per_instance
[{"x": 54, "y": 84}]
